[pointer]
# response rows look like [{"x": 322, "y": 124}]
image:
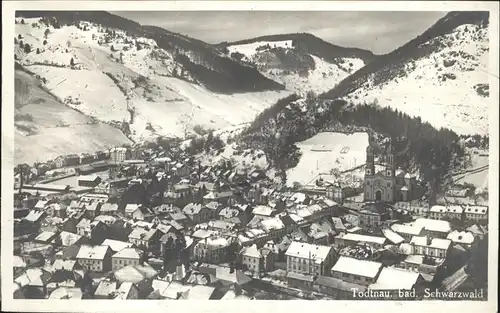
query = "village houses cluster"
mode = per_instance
[{"x": 146, "y": 223}]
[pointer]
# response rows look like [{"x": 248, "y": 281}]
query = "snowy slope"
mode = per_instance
[
  {"x": 120, "y": 79},
  {"x": 328, "y": 151},
  {"x": 46, "y": 128},
  {"x": 443, "y": 88},
  {"x": 299, "y": 70},
  {"x": 440, "y": 76}
]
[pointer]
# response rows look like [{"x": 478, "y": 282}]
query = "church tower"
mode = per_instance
[
  {"x": 390, "y": 165},
  {"x": 370, "y": 161}
]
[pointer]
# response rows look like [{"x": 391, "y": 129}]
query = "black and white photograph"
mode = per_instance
[{"x": 250, "y": 154}]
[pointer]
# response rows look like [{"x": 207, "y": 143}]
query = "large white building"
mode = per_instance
[
  {"x": 118, "y": 154},
  {"x": 305, "y": 258}
]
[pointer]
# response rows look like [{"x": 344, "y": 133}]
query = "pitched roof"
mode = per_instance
[
  {"x": 92, "y": 252},
  {"x": 142, "y": 234},
  {"x": 306, "y": 250},
  {"x": 357, "y": 267},
  {"x": 251, "y": 251},
  {"x": 68, "y": 239},
  {"x": 129, "y": 253},
  {"x": 461, "y": 237},
  {"x": 131, "y": 208},
  {"x": 392, "y": 278},
  {"x": 192, "y": 208},
  {"x": 433, "y": 225},
  {"x": 263, "y": 210},
  {"x": 109, "y": 207},
  {"x": 434, "y": 242},
  {"x": 105, "y": 288}
]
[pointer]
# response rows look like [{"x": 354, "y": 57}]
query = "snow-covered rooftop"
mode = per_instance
[
  {"x": 464, "y": 237},
  {"x": 92, "y": 252},
  {"x": 392, "y": 278},
  {"x": 437, "y": 243},
  {"x": 308, "y": 251},
  {"x": 357, "y": 267}
]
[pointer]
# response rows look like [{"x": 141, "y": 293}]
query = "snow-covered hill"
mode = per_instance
[
  {"x": 121, "y": 79},
  {"x": 301, "y": 62},
  {"x": 45, "y": 128},
  {"x": 441, "y": 76}
]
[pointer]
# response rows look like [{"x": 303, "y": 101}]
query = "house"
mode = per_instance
[
  {"x": 126, "y": 256},
  {"x": 92, "y": 230},
  {"x": 435, "y": 228},
  {"x": 118, "y": 154},
  {"x": 407, "y": 231},
  {"x": 198, "y": 292},
  {"x": 197, "y": 212},
  {"x": 116, "y": 245},
  {"x": 105, "y": 289},
  {"x": 476, "y": 213},
  {"x": 304, "y": 258},
  {"x": 439, "y": 212},
  {"x": 59, "y": 210},
  {"x": 356, "y": 271},
  {"x": 337, "y": 288},
  {"x": 67, "y": 239},
  {"x": 212, "y": 249},
  {"x": 428, "y": 246},
  {"x": 223, "y": 197},
  {"x": 95, "y": 258},
  {"x": 373, "y": 214},
  {"x": 145, "y": 238},
  {"x": 414, "y": 208},
  {"x": 109, "y": 208},
  {"x": 392, "y": 236},
  {"x": 134, "y": 211},
  {"x": 228, "y": 213},
  {"x": 252, "y": 259},
  {"x": 394, "y": 280},
  {"x": 60, "y": 161},
  {"x": 356, "y": 239},
  {"x": 463, "y": 238},
  {"x": 89, "y": 181},
  {"x": 72, "y": 160},
  {"x": 127, "y": 291},
  {"x": 263, "y": 210},
  {"x": 45, "y": 237},
  {"x": 214, "y": 207},
  {"x": 92, "y": 209},
  {"x": 274, "y": 228}
]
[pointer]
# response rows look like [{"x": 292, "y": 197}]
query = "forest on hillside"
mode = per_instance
[{"x": 417, "y": 144}]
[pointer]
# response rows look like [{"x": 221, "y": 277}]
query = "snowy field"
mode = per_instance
[
  {"x": 324, "y": 77},
  {"x": 162, "y": 105},
  {"x": 478, "y": 178},
  {"x": 57, "y": 129},
  {"x": 452, "y": 103},
  {"x": 327, "y": 151},
  {"x": 250, "y": 49},
  {"x": 73, "y": 180}
]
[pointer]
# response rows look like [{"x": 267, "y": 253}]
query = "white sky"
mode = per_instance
[{"x": 378, "y": 31}]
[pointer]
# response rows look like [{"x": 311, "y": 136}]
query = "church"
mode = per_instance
[{"x": 388, "y": 184}]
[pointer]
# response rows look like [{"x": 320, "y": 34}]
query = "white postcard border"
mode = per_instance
[{"x": 8, "y": 304}]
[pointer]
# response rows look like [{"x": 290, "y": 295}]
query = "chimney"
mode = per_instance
[{"x": 429, "y": 240}]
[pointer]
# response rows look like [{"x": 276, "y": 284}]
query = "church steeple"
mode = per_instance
[
  {"x": 370, "y": 161},
  {"x": 390, "y": 165}
]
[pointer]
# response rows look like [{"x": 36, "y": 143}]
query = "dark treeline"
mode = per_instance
[{"x": 417, "y": 144}]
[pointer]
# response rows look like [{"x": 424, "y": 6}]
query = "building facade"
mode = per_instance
[
  {"x": 304, "y": 258},
  {"x": 386, "y": 185}
]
